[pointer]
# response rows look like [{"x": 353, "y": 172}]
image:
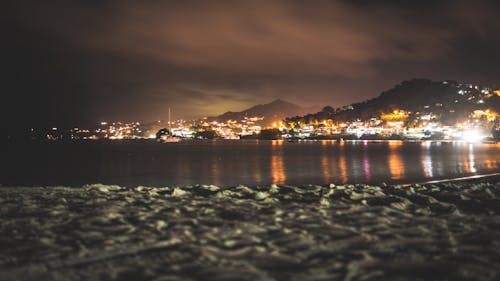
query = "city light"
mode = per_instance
[
  {"x": 472, "y": 135},
  {"x": 479, "y": 122}
]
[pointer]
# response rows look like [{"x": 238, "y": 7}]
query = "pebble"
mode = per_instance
[{"x": 178, "y": 192}]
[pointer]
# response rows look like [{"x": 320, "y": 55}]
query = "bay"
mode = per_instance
[{"x": 249, "y": 162}]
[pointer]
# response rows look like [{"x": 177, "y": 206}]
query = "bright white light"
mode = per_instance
[{"x": 472, "y": 135}]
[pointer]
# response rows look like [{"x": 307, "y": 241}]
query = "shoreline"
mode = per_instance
[
  {"x": 151, "y": 141},
  {"x": 478, "y": 178}
]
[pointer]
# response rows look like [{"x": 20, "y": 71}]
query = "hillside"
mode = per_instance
[{"x": 448, "y": 100}]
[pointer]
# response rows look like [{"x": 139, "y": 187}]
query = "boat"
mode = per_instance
[{"x": 165, "y": 135}]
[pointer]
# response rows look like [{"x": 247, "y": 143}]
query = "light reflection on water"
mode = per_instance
[
  {"x": 336, "y": 164},
  {"x": 366, "y": 162},
  {"x": 395, "y": 161},
  {"x": 342, "y": 164},
  {"x": 426, "y": 159},
  {"x": 277, "y": 166},
  {"x": 472, "y": 164},
  {"x": 247, "y": 162},
  {"x": 325, "y": 161}
]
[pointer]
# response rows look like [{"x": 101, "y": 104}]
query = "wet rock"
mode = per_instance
[
  {"x": 261, "y": 195},
  {"x": 102, "y": 188},
  {"x": 274, "y": 189},
  {"x": 178, "y": 192}
]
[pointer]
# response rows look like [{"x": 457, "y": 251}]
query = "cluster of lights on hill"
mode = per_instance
[{"x": 424, "y": 123}]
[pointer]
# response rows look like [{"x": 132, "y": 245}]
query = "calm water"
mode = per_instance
[{"x": 229, "y": 163}]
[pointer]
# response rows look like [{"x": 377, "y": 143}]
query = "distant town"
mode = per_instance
[{"x": 417, "y": 109}]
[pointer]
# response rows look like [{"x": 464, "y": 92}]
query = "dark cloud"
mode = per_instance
[{"x": 92, "y": 60}]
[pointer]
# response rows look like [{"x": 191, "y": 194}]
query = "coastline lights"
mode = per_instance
[{"x": 473, "y": 135}]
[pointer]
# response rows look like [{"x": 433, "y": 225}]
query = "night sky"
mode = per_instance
[{"x": 71, "y": 63}]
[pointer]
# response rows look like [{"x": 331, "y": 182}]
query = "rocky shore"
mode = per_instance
[{"x": 445, "y": 231}]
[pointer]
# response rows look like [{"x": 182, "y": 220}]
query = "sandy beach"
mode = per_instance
[{"x": 443, "y": 231}]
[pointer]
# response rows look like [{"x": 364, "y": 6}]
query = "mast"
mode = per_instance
[{"x": 169, "y": 122}]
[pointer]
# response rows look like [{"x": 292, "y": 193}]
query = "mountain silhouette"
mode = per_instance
[{"x": 274, "y": 111}]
